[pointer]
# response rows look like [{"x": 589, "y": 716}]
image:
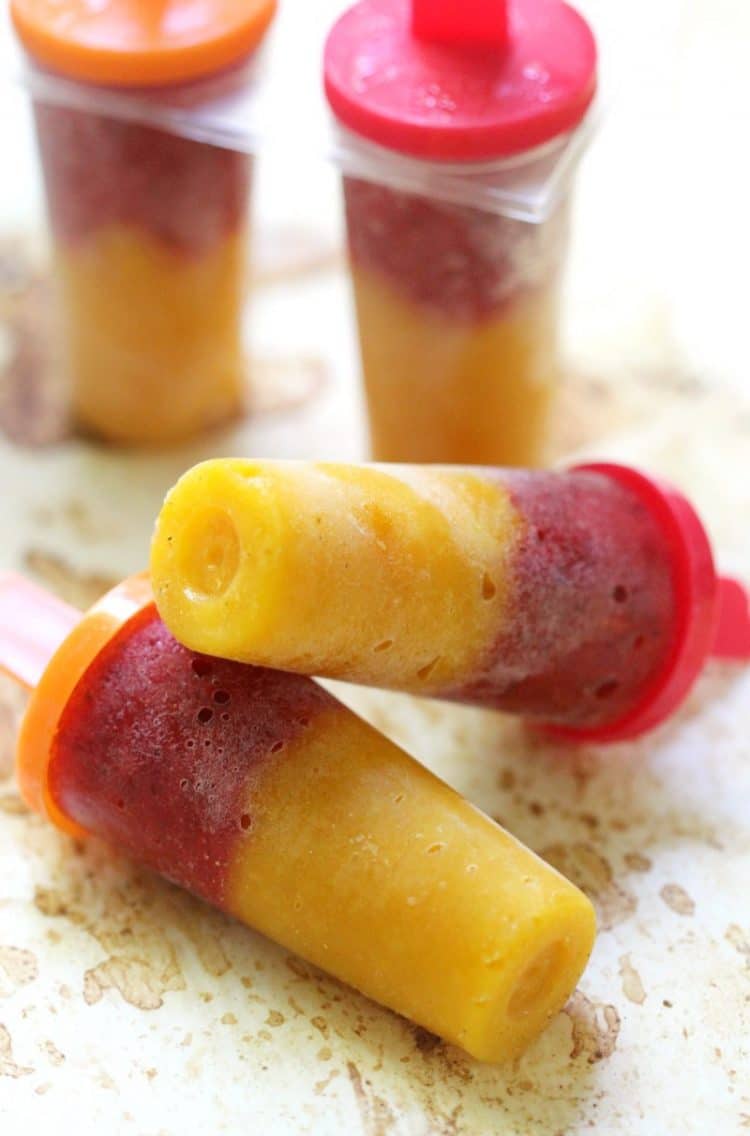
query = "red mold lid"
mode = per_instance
[
  {"x": 712, "y": 612},
  {"x": 140, "y": 43},
  {"x": 460, "y": 80}
]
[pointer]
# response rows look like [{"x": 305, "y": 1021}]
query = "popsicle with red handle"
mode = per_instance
[
  {"x": 586, "y": 600},
  {"x": 264, "y": 795},
  {"x": 457, "y": 303}
]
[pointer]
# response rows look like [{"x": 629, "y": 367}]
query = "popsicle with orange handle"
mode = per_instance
[
  {"x": 263, "y": 794},
  {"x": 149, "y": 227},
  {"x": 584, "y": 599}
]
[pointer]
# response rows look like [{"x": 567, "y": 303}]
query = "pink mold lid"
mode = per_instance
[
  {"x": 712, "y": 612},
  {"x": 460, "y": 80}
]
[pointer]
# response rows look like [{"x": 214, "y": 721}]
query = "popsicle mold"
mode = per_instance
[
  {"x": 148, "y": 228},
  {"x": 457, "y": 308},
  {"x": 586, "y": 600}
]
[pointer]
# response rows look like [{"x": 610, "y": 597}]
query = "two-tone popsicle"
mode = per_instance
[
  {"x": 586, "y": 599},
  {"x": 264, "y": 795},
  {"x": 149, "y": 227}
]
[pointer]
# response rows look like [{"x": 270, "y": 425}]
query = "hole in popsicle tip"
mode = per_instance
[
  {"x": 221, "y": 697},
  {"x": 201, "y": 667},
  {"x": 245, "y": 822},
  {"x": 620, "y": 593},
  {"x": 606, "y": 689},
  {"x": 384, "y": 646},
  {"x": 277, "y": 747},
  {"x": 210, "y": 553},
  {"x": 489, "y": 591},
  {"x": 204, "y": 715},
  {"x": 537, "y": 980}
]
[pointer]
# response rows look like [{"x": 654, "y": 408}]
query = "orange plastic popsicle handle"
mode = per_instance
[{"x": 86, "y": 636}]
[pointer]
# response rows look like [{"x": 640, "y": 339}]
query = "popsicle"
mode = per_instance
[
  {"x": 585, "y": 599},
  {"x": 264, "y": 795},
  {"x": 457, "y": 305},
  {"x": 149, "y": 229}
]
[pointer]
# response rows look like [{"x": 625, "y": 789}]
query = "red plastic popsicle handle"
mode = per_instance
[
  {"x": 461, "y": 23},
  {"x": 33, "y": 624},
  {"x": 732, "y": 636}
]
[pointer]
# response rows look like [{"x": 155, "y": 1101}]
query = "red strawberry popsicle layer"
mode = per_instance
[
  {"x": 157, "y": 747},
  {"x": 465, "y": 265},
  {"x": 591, "y": 600},
  {"x": 101, "y": 171}
]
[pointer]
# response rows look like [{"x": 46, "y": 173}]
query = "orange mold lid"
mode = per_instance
[
  {"x": 57, "y": 677},
  {"x": 140, "y": 43}
]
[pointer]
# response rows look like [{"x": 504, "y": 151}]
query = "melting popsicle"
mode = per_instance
[
  {"x": 586, "y": 599},
  {"x": 264, "y": 795}
]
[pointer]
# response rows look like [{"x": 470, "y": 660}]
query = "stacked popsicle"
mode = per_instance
[
  {"x": 149, "y": 228},
  {"x": 586, "y": 600}
]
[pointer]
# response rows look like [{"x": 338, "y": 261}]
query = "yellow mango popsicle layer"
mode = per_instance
[
  {"x": 451, "y": 391},
  {"x": 151, "y": 337}
]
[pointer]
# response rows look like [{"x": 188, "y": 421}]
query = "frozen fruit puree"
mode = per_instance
[
  {"x": 457, "y": 310},
  {"x": 549, "y": 594},
  {"x": 457, "y": 306},
  {"x": 149, "y": 229},
  {"x": 260, "y": 792},
  {"x": 150, "y": 254}
]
